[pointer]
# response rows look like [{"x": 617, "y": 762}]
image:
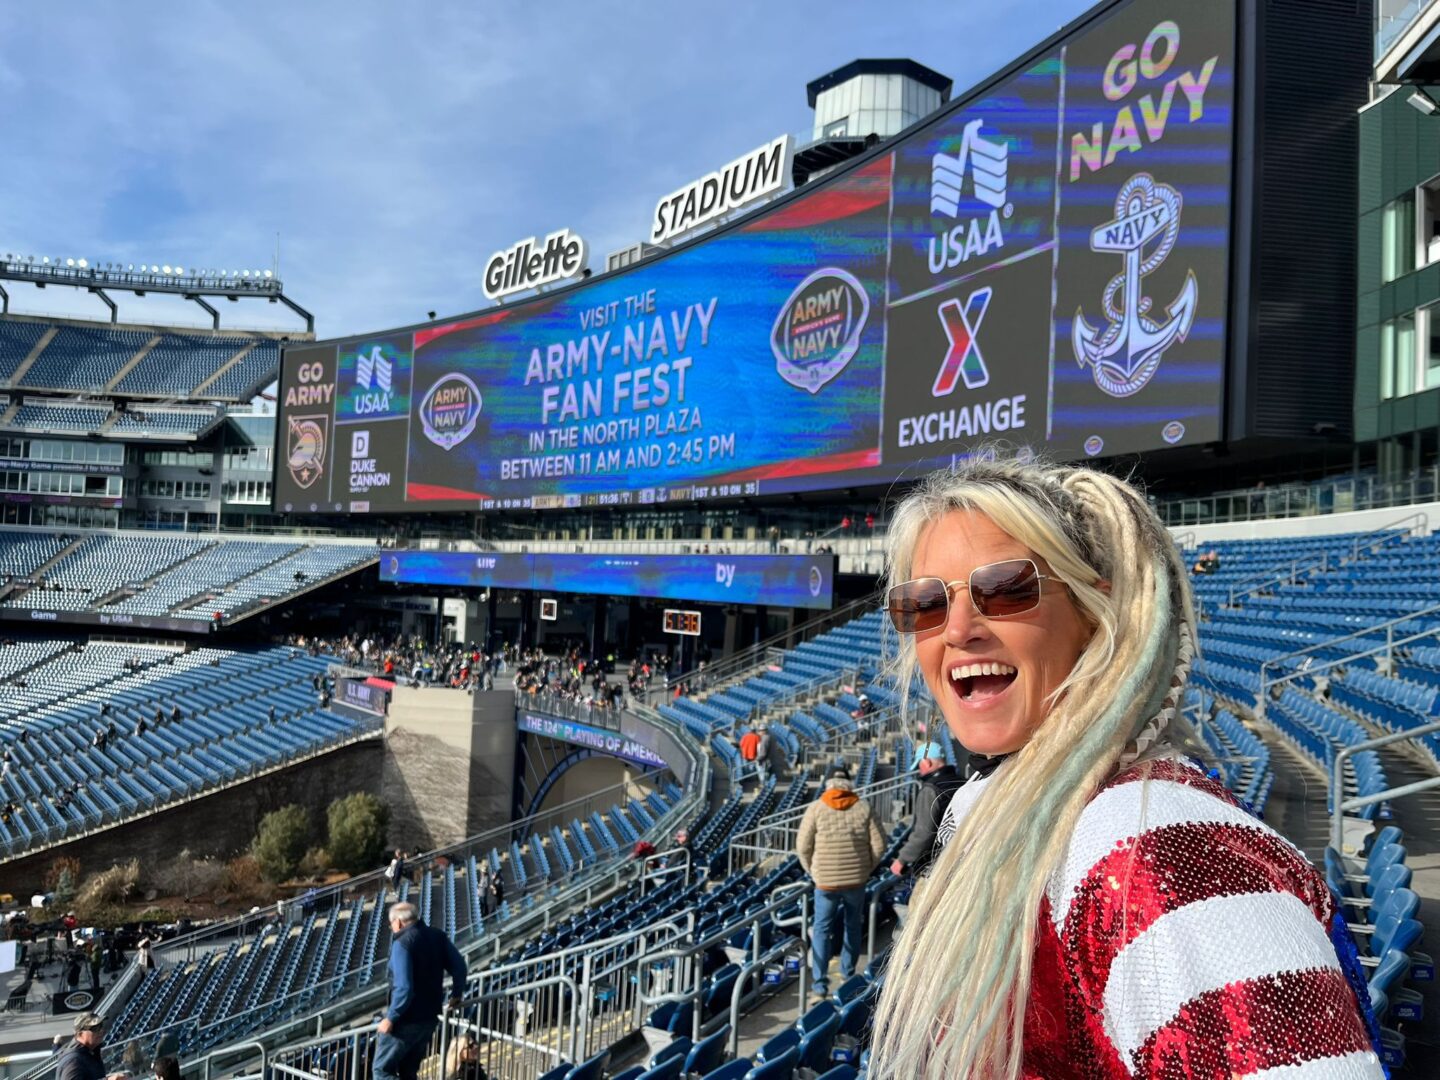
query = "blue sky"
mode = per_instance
[{"x": 394, "y": 146}]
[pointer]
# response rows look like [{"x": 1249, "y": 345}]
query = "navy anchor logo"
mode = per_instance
[{"x": 1127, "y": 352}]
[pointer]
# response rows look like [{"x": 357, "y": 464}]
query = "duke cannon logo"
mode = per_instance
[
  {"x": 450, "y": 410},
  {"x": 988, "y": 163},
  {"x": 818, "y": 330}
]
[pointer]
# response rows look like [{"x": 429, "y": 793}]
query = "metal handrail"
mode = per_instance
[
  {"x": 755, "y": 654},
  {"x": 1382, "y": 535},
  {"x": 1340, "y": 804},
  {"x": 1388, "y": 648}
]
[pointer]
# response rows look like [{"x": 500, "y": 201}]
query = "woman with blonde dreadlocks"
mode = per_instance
[{"x": 1100, "y": 908}]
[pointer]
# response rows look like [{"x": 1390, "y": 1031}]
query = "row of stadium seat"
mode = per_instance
[
  {"x": 177, "y": 365},
  {"x": 178, "y": 576}
]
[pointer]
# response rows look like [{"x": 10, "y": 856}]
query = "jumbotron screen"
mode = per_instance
[{"x": 1045, "y": 264}]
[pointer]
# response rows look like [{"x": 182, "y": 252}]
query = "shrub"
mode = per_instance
[
  {"x": 243, "y": 880},
  {"x": 107, "y": 889},
  {"x": 58, "y": 869},
  {"x": 65, "y": 886},
  {"x": 281, "y": 842},
  {"x": 188, "y": 877},
  {"x": 357, "y": 832},
  {"x": 315, "y": 863},
  {"x": 157, "y": 915}
]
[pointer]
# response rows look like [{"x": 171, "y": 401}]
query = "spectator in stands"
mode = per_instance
[
  {"x": 82, "y": 1061},
  {"x": 762, "y": 749},
  {"x": 1082, "y": 906},
  {"x": 166, "y": 1068},
  {"x": 395, "y": 872},
  {"x": 838, "y": 844},
  {"x": 96, "y": 957},
  {"x": 484, "y": 886},
  {"x": 497, "y": 891},
  {"x": 938, "y": 782},
  {"x": 145, "y": 955},
  {"x": 420, "y": 957}
]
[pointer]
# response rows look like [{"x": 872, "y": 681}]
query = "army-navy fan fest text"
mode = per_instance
[{"x": 1046, "y": 263}]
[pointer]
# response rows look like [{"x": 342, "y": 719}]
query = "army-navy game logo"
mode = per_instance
[
  {"x": 818, "y": 330},
  {"x": 306, "y": 444},
  {"x": 450, "y": 410},
  {"x": 1173, "y": 432},
  {"x": 1126, "y": 353}
]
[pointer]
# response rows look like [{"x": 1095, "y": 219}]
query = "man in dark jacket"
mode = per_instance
[
  {"x": 419, "y": 958},
  {"x": 82, "y": 1060},
  {"x": 938, "y": 783}
]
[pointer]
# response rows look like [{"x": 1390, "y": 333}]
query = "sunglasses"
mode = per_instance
[{"x": 998, "y": 590}]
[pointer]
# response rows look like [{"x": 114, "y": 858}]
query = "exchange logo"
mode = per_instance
[
  {"x": 817, "y": 332},
  {"x": 450, "y": 411},
  {"x": 987, "y": 161},
  {"x": 306, "y": 444},
  {"x": 963, "y": 360},
  {"x": 1126, "y": 352}
]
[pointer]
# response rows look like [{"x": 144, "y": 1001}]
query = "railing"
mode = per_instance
[
  {"x": 1370, "y": 631},
  {"x": 1392, "y": 19},
  {"x": 1311, "y": 670},
  {"x": 775, "y": 836},
  {"x": 1365, "y": 543},
  {"x": 716, "y": 675},
  {"x": 1313, "y": 499},
  {"x": 1340, "y": 805}
]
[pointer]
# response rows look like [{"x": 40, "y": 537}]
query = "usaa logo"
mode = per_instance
[
  {"x": 818, "y": 329},
  {"x": 450, "y": 410}
]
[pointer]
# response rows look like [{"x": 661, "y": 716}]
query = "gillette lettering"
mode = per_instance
[
  {"x": 725, "y": 573},
  {"x": 988, "y": 162},
  {"x": 1093, "y": 150}
]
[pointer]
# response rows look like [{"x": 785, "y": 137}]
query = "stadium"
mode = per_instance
[{"x": 483, "y": 614}]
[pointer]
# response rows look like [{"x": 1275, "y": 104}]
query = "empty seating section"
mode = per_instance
[
  {"x": 103, "y": 563},
  {"x": 64, "y": 782},
  {"x": 334, "y": 947},
  {"x": 212, "y": 569},
  {"x": 180, "y": 363},
  {"x": 17, "y": 341},
  {"x": 301, "y": 570},
  {"x": 80, "y": 358},
  {"x": 61, "y": 416},
  {"x": 182, "y": 577},
  {"x": 23, "y": 553},
  {"x": 257, "y": 367},
  {"x": 164, "y": 422}
]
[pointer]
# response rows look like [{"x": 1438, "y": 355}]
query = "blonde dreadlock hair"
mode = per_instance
[{"x": 956, "y": 985}]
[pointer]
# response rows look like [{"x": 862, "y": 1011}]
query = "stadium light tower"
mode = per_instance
[{"x": 99, "y": 280}]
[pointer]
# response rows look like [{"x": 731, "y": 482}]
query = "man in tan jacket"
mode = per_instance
[{"x": 840, "y": 842}]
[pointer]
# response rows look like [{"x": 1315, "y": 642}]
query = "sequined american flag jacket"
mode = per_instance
[{"x": 1182, "y": 937}]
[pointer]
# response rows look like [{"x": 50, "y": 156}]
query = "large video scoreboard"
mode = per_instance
[{"x": 1045, "y": 264}]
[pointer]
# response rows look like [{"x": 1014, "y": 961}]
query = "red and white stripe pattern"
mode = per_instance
[{"x": 1191, "y": 941}]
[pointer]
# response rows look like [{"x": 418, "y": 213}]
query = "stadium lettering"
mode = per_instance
[
  {"x": 1102, "y": 144},
  {"x": 757, "y": 174},
  {"x": 310, "y": 395},
  {"x": 365, "y": 403},
  {"x": 527, "y": 265},
  {"x": 982, "y": 418}
]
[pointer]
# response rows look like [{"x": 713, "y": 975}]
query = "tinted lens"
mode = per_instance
[
  {"x": 917, "y": 605},
  {"x": 1005, "y": 588}
]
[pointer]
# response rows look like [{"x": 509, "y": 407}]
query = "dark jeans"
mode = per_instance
[
  {"x": 399, "y": 1052},
  {"x": 847, "y": 907}
]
